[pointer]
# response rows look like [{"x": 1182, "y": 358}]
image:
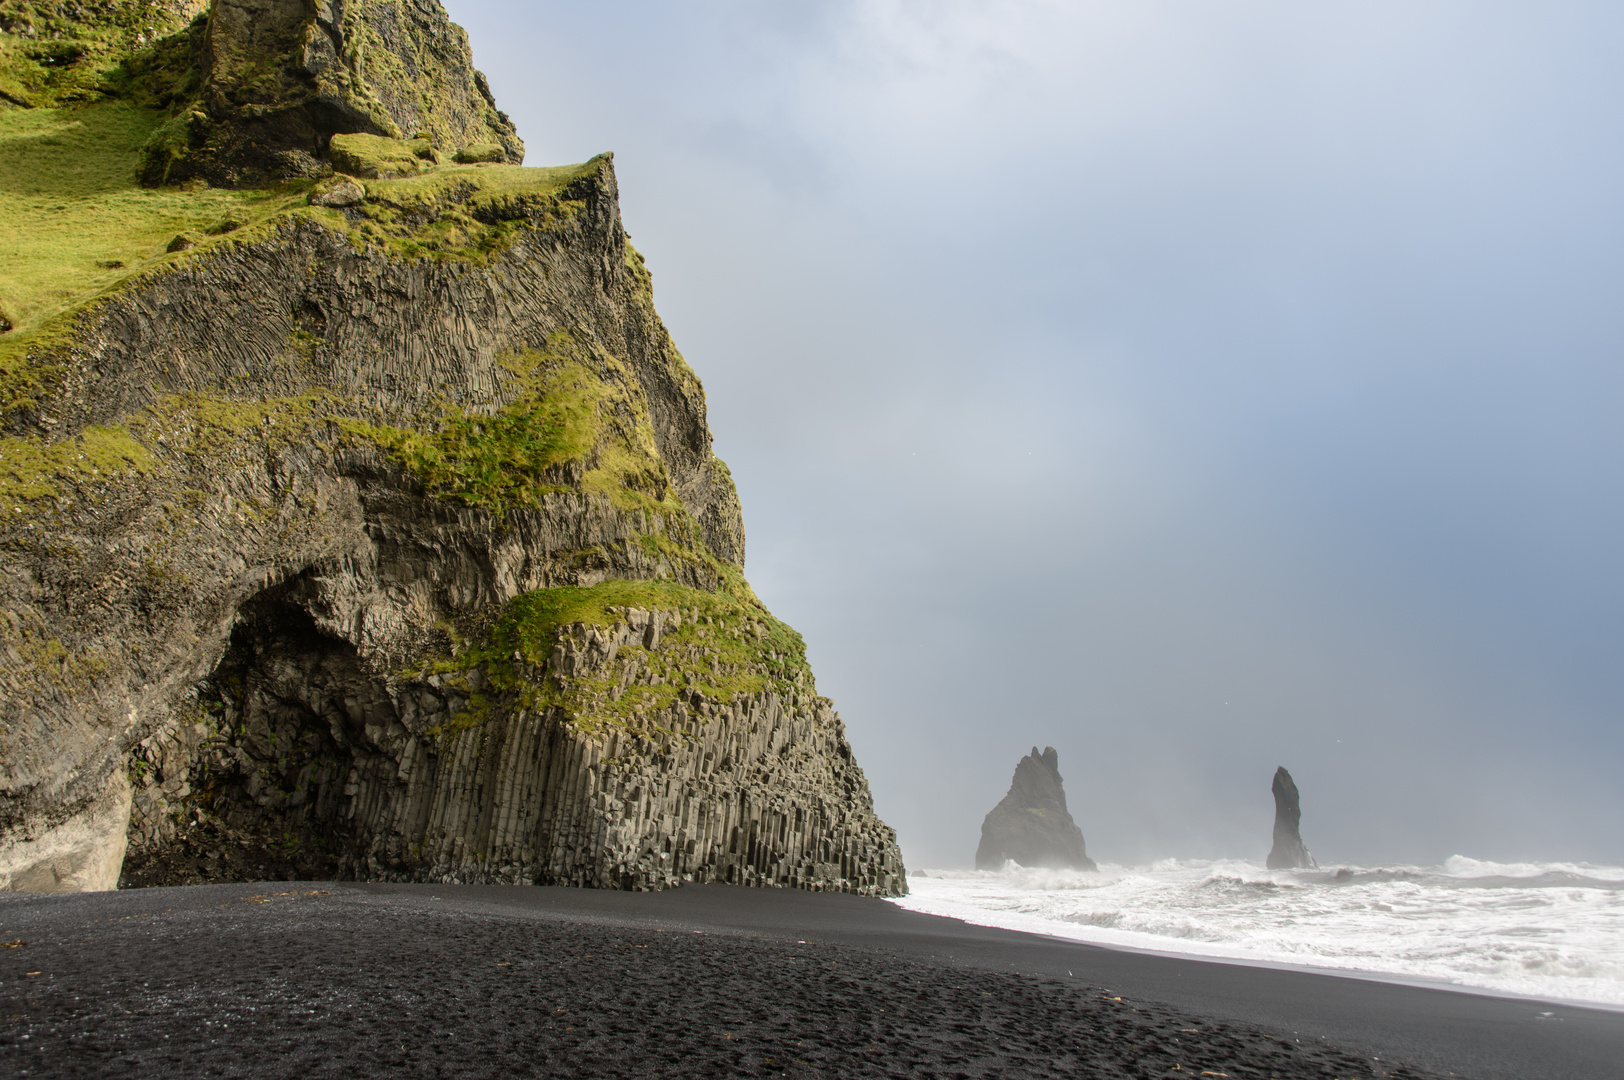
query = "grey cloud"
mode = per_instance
[{"x": 1088, "y": 367}]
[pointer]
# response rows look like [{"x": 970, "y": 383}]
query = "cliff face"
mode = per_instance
[
  {"x": 280, "y": 78},
  {"x": 1031, "y": 824},
  {"x": 255, "y": 90},
  {"x": 373, "y": 530}
]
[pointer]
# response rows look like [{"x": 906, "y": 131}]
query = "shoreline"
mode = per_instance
[
  {"x": 702, "y": 980},
  {"x": 1421, "y": 982},
  {"x": 1529, "y": 936}
]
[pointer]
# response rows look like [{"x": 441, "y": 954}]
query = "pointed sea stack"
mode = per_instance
[
  {"x": 1289, "y": 852},
  {"x": 1032, "y": 825}
]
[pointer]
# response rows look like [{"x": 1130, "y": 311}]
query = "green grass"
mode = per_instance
[
  {"x": 73, "y": 218},
  {"x": 469, "y": 213},
  {"x": 75, "y": 222},
  {"x": 59, "y": 51},
  {"x": 491, "y": 183},
  {"x": 29, "y": 470}
]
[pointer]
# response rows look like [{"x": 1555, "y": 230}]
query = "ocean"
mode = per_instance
[{"x": 1543, "y": 930}]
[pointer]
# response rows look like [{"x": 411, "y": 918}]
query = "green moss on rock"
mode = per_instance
[
  {"x": 576, "y": 423},
  {"x": 711, "y": 647},
  {"x": 55, "y": 52},
  {"x": 510, "y": 458},
  {"x": 278, "y": 79},
  {"x": 375, "y": 157},
  {"x": 30, "y": 471},
  {"x": 481, "y": 153}
]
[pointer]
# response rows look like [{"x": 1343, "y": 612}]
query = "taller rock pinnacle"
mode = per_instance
[{"x": 1289, "y": 852}]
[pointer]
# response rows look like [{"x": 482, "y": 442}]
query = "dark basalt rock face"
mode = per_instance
[
  {"x": 1289, "y": 852},
  {"x": 380, "y": 537},
  {"x": 280, "y": 78},
  {"x": 275, "y": 660},
  {"x": 1031, "y": 825}
]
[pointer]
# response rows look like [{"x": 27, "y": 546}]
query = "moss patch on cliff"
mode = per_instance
[
  {"x": 508, "y": 459},
  {"x": 207, "y": 428},
  {"x": 376, "y": 156},
  {"x": 30, "y": 471},
  {"x": 29, "y": 644},
  {"x": 468, "y": 213},
  {"x": 191, "y": 429},
  {"x": 718, "y": 648},
  {"x": 576, "y": 423},
  {"x": 530, "y": 622}
]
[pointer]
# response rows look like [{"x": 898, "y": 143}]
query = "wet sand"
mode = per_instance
[{"x": 337, "y": 979}]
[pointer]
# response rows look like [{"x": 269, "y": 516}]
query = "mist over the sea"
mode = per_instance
[{"x": 1195, "y": 388}]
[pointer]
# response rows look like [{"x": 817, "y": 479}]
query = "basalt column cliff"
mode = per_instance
[{"x": 358, "y": 516}]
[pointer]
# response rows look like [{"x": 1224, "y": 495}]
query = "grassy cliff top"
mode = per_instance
[{"x": 75, "y": 220}]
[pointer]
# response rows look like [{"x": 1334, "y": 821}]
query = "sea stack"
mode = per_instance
[
  {"x": 1032, "y": 825},
  {"x": 1289, "y": 852}
]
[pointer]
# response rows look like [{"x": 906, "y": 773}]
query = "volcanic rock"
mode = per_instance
[
  {"x": 483, "y": 152},
  {"x": 1031, "y": 825},
  {"x": 1289, "y": 852},
  {"x": 384, "y": 542},
  {"x": 337, "y": 192},
  {"x": 275, "y": 80}
]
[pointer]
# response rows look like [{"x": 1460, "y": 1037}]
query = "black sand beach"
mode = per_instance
[{"x": 330, "y": 980}]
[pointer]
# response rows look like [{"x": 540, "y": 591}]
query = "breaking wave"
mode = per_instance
[{"x": 1545, "y": 930}]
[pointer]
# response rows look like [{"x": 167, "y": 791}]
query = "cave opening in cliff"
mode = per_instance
[{"x": 251, "y": 784}]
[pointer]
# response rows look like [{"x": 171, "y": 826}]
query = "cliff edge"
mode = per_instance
[{"x": 359, "y": 518}]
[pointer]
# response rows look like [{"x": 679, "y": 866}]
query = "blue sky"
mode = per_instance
[{"x": 1195, "y": 387}]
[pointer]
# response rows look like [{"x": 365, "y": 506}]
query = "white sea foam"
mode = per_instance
[{"x": 1548, "y": 930}]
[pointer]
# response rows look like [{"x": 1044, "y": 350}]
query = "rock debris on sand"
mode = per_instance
[{"x": 306, "y": 981}]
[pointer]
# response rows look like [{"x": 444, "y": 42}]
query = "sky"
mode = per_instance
[{"x": 1194, "y": 386}]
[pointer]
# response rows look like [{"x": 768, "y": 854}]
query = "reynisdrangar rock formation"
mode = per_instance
[
  {"x": 1031, "y": 824},
  {"x": 369, "y": 528},
  {"x": 1288, "y": 852}
]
